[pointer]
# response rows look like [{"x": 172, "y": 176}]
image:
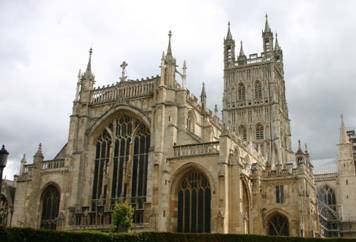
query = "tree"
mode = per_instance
[{"x": 122, "y": 216}]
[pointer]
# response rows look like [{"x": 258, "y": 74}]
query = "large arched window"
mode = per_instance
[
  {"x": 194, "y": 203},
  {"x": 4, "y": 210},
  {"x": 327, "y": 211},
  {"x": 122, "y": 149},
  {"x": 258, "y": 90},
  {"x": 50, "y": 207},
  {"x": 259, "y": 131},
  {"x": 243, "y": 132},
  {"x": 241, "y": 92},
  {"x": 278, "y": 225}
]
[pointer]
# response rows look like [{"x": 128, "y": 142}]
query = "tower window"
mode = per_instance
[
  {"x": 243, "y": 132},
  {"x": 279, "y": 194},
  {"x": 259, "y": 131},
  {"x": 258, "y": 90},
  {"x": 241, "y": 92}
]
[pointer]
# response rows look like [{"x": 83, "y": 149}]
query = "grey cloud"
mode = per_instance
[{"x": 44, "y": 43}]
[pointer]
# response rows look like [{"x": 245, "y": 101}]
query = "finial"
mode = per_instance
[
  {"x": 216, "y": 111},
  {"x": 298, "y": 139},
  {"x": 23, "y": 160},
  {"x": 306, "y": 148},
  {"x": 123, "y": 72}
]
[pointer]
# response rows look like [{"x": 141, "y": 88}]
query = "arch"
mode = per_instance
[
  {"x": 259, "y": 131},
  {"x": 105, "y": 119},
  {"x": 327, "y": 210},
  {"x": 241, "y": 92},
  {"x": 194, "y": 203},
  {"x": 278, "y": 224},
  {"x": 50, "y": 200},
  {"x": 4, "y": 209},
  {"x": 246, "y": 205},
  {"x": 243, "y": 132},
  {"x": 258, "y": 89},
  {"x": 121, "y": 154}
]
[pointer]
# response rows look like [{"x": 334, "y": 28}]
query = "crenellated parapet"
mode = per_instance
[{"x": 122, "y": 91}]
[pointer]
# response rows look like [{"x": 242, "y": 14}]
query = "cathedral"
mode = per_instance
[{"x": 154, "y": 144}]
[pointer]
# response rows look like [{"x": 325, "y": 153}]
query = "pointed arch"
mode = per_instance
[
  {"x": 4, "y": 210},
  {"x": 243, "y": 132},
  {"x": 50, "y": 200},
  {"x": 258, "y": 89},
  {"x": 241, "y": 92},
  {"x": 259, "y": 131}
]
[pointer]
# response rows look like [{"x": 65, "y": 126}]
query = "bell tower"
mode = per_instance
[{"x": 254, "y": 102}]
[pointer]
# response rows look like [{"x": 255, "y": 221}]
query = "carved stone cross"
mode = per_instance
[{"x": 123, "y": 73}]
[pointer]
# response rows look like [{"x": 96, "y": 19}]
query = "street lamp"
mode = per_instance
[{"x": 3, "y": 159}]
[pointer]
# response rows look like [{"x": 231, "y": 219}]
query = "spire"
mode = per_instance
[
  {"x": 242, "y": 53},
  {"x": 88, "y": 70},
  {"x": 343, "y": 135},
  {"x": 23, "y": 160},
  {"x": 241, "y": 59},
  {"x": 299, "y": 151},
  {"x": 203, "y": 93},
  {"x": 267, "y": 28},
  {"x": 39, "y": 151},
  {"x": 216, "y": 111},
  {"x": 169, "y": 49},
  {"x": 203, "y": 98},
  {"x": 229, "y": 35},
  {"x": 277, "y": 47}
]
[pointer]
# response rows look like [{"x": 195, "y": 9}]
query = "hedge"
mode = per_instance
[{"x": 32, "y": 235}]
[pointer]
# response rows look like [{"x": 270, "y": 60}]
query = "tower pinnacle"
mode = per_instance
[
  {"x": 343, "y": 135},
  {"x": 169, "y": 49},
  {"x": 267, "y": 28},
  {"x": 277, "y": 47},
  {"x": 229, "y": 35},
  {"x": 88, "y": 70}
]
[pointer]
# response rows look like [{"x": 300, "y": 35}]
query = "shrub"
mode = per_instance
[{"x": 122, "y": 216}]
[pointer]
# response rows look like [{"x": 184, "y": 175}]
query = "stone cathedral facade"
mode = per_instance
[{"x": 154, "y": 144}]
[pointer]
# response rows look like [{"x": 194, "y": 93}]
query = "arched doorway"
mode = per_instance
[
  {"x": 194, "y": 203},
  {"x": 4, "y": 210},
  {"x": 50, "y": 207},
  {"x": 278, "y": 225}
]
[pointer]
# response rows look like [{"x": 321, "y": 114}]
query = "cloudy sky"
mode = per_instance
[{"x": 43, "y": 45}]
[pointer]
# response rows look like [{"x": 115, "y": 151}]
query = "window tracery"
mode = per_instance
[{"x": 123, "y": 145}]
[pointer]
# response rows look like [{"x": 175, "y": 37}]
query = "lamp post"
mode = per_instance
[{"x": 3, "y": 159}]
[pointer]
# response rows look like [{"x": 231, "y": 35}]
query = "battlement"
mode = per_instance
[{"x": 121, "y": 91}]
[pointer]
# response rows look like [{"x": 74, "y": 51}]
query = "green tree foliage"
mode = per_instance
[{"x": 122, "y": 216}]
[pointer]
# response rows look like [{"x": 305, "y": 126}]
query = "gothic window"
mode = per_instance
[
  {"x": 122, "y": 149},
  {"x": 191, "y": 121},
  {"x": 259, "y": 131},
  {"x": 4, "y": 210},
  {"x": 258, "y": 90},
  {"x": 50, "y": 207},
  {"x": 194, "y": 203},
  {"x": 241, "y": 92},
  {"x": 278, "y": 225},
  {"x": 243, "y": 132},
  {"x": 279, "y": 194},
  {"x": 327, "y": 211}
]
